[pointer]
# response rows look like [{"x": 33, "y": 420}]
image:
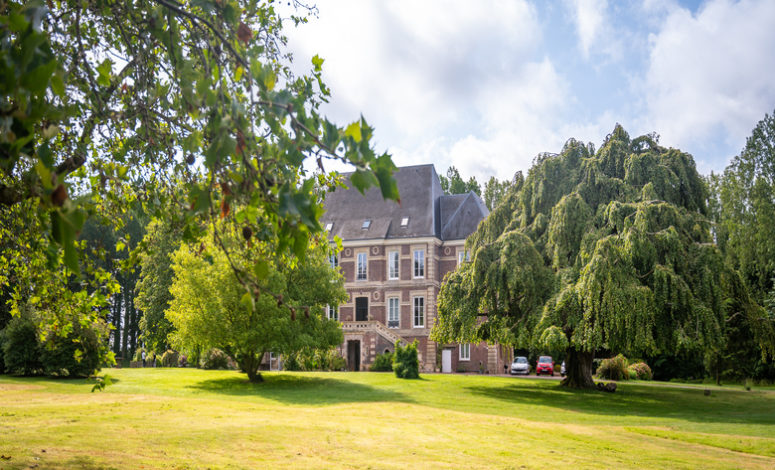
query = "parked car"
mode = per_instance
[
  {"x": 520, "y": 366},
  {"x": 562, "y": 369},
  {"x": 545, "y": 364}
]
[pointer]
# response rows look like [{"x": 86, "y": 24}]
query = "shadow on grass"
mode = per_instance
[
  {"x": 55, "y": 379},
  {"x": 725, "y": 406},
  {"x": 301, "y": 390}
]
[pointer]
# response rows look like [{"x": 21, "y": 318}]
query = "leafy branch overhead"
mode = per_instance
[{"x": 100, "y": 114}]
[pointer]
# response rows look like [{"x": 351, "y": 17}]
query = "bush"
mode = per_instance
[
  {"x": 169, "y": 358},
  {"x": 641, "y": 371},
  {"x": 316, "y": 359},
  {"x": 382, "y": 363},
  {"x": 21, "y": 351},
  {"x": 138, "y": 357},
  {"x": 292, "y": 363},
  {"x": 405, "y": 362},
  {"x": 76, "y": 355},
  {"x": 337, "y": 362},
  {"x": 614, "y": 368},
  {"x": 214, "y": 359}
]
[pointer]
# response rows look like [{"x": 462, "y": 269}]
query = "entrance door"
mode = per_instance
[
  {"x": 446, "y": 361},
  {"x": 361, "y": 308},
  {"x": 354, "y": 355}
]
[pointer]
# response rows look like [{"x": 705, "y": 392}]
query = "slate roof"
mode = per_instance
[{"x": 431, "y": 213}]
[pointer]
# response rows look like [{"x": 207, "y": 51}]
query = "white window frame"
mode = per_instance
[
  {"x": 332, "y": 312},
  {"x": 467, "y": 349},
  {"x": 394, "y": 301},
  {"x": 391, "y": 255},
  {"x": 421, "y": 264},
  {"x": 421, "y": 306},
  {"x": 333, "y": 260},
  {"x": 461, "y": 256},
  {"x": 365, "y": 265}
]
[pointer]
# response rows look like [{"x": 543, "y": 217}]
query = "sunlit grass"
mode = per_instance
[{"x": 188, "y": 418}]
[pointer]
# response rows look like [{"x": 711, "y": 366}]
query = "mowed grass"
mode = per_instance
[{"x": 188, "y": 418}]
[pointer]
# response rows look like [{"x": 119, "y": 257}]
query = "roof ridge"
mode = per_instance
[{"x": 459, "y": 207}]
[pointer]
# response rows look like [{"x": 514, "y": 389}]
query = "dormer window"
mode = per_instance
[
  {"x": 329, "y": 226},
  {"x": 366, "y": 224},
  {"x": 405, "y": 222}
]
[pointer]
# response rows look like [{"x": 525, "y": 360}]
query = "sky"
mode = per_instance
[{"x": 487, "y": 85}]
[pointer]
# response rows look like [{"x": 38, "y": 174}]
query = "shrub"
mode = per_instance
[
  {"x": 79, "y": 354},
  {"x": 194, "y": 357},
  {"x": 214, "y": 359},
  {"x": 169, "y": 358},
  {"x": 292, "y": 363},
  {"x": 316, "y": 359},
  {"x": 138, "y": 355},
  {"x": 21, "y": 350},
  {"x": 382, "y": 363},
  {"x": 405, "y": 362},
  {"x": 337, "y": 362},
  {"x": 641, "y": 371},
  {"x": 614, "y": 368}
]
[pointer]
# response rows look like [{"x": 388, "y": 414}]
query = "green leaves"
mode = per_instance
[
  {"x": 101, "y": 383},
  {"x": 65, "y": 225},
  {"x": 354, "y": 131},
  {"x": 317, "y": 62},
  {"x": 574, "y": 258},
  {"x": 104, "y": 71},
  {"x": 195, "y": 115}
]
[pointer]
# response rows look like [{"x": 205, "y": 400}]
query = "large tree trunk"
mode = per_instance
[
  {"x": 578, "y": 369},
  {"x": 250, "y": 364}
]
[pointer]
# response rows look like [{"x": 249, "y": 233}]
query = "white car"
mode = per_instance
[{"x": 520, "y": 366}]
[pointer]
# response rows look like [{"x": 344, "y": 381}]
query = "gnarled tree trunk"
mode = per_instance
[{"x": 578, "y": 369}]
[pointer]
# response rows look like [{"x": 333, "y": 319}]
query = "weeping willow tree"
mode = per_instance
[{"x": 608, "y": 250}]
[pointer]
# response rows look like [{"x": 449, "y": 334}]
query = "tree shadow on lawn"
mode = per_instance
[
  {"x": 726, "y": 406},
  {"x": 44, "y": 380},
  {"x": 301, "y": 390}
]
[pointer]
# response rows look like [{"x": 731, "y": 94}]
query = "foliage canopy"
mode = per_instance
[
  {"x": 211, "y": 309},
  {"x": 180, "y": 110},
  {"x": 613, "y": 248}
]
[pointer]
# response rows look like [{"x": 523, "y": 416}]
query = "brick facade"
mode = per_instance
[{"x": 415, "y": 230}]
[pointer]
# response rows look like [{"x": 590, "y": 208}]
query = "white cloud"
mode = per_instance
[
  {"x": 424, "y": 74},
  {"x": 590, "y": 17},
  {"x": 711, "y": 75}
]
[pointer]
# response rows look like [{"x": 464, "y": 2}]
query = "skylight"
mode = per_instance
[
  {"x": 405, "y": 221},
  {"x": 329, "y": 226},
  {"x": 366, "y": 224}
]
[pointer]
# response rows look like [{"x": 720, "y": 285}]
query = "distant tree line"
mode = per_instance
[{"x": 494, "y": 190}]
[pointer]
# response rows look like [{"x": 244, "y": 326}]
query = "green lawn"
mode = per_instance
[{"x": 188, "y": 418}]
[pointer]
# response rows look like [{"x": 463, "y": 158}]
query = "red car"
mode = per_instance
[{"x": 545, "y": 364}]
